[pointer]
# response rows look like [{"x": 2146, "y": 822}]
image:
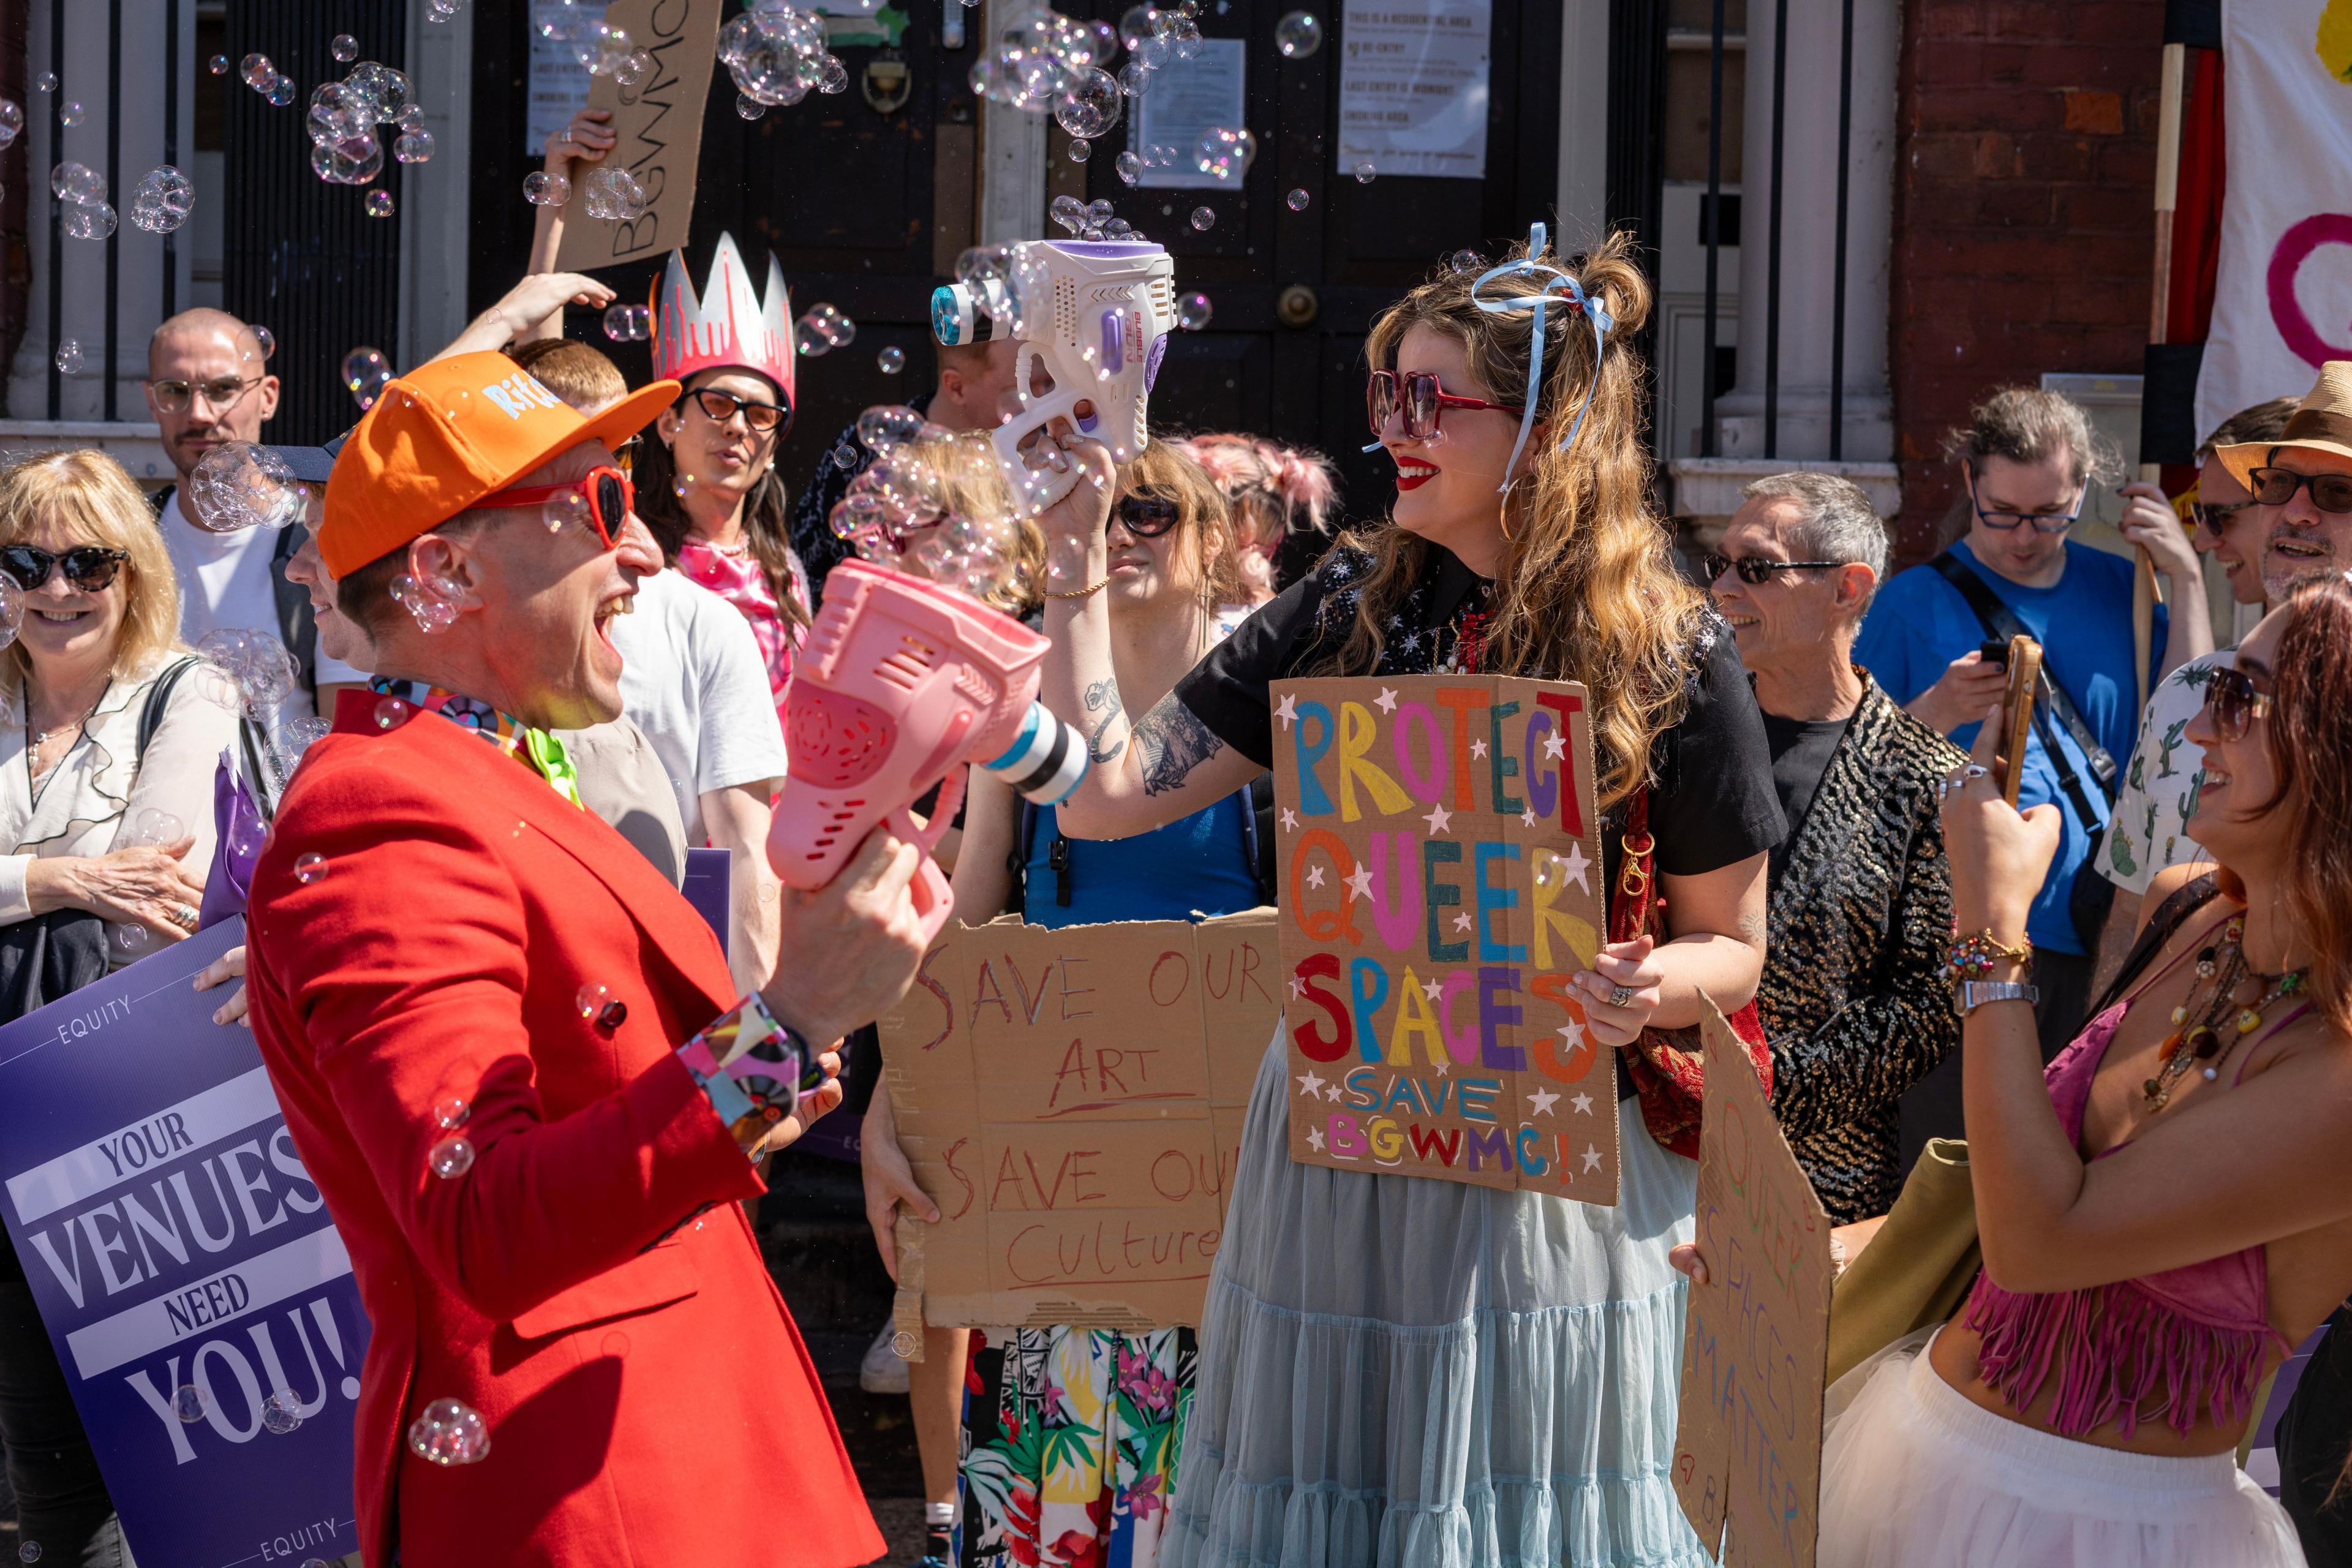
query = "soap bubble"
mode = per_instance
[
  {"x": 1069, "y": 211},
  {"x": 1140, "y": 22},
  {"x": 391, "y": 712},
  {"x": 608, "y": 48},
  {"x": 450, "y": 1112},
  {"x": 379, "y": 204},
  {"x": 636, "y": 69},
  {"x": 590, "y": 998},
  {"x": 748, "y": 107},
  {"x": 344, "y": 47},
  {"x": 414, "y": 146},
  {"x": 90, "y": 222},
  {"x": 1204, "y": 218},
  {"x": 188, "y": 1403},
  {"x": 1298, "y": 34},
  {"x": 72, "y": 114},
  {"x": 365, "y": 375},
  {"x": 151, "y": 827},
  {"x": 1465, "y": 263},
  {"x": 383, "y": 90},
  {"x": 281, "y": 92},
  {"x": 257, "y": 73},
  {"x": 46, "y": 81},
  {"x": 615, "y": 195},
  {"x": 429, "y": 610},
  {"x": 1364, "y": 173},
  {"x": 294, "y": 738},
  {"x": 544, "y": 190},
  {"x": 267, "y": 341},
  {"x": 218, "y": 65},
  {"x": 69, "y": 357},
  {"x": 349, "y": 162},
  {"x": 411, "y": 117},
  {"x": 450, "y": 1158},
  {"x": 1225, "y": 153},
  {"x": 239, "y": 485},
  {"x": 133, "y": 939},
  {"x": 1090, "y": 105},
  {"x": 1134, "y": 78},
  {"x": 886, "y": 425},
  {"x": 833, "y": 77},
  {"x": 449, "y": 1432},
  {"x": 77, "y": 184},
  {"x": 309, "y": 867},
  {"x": 1079, "y": 151},
  {"x": 29, "y": 1552},
  {"x": 161, "y": 200},
  {"x": 628, "y": 324},
  {"x": 281, "y": 1413},
  {"x": 12, "y": 120},
  {"x": 1131, "y": 168},
  {"x": 1296, "y": 200},
  {"x": 11, "y": 609},
  {"x": 1192, "y": 313},
  {"x": 890, "y": 361},
  {"x": 822, "y": 329}
]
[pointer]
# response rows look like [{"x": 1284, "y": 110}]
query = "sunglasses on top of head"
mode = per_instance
[
  {"x": 88, "y": 567},
  {"x": 1145, "y": 516},
  {"x": 1422, "y": 399},
  {"x": 719, "y": 407},
  {"x": 607, "y": 494}
]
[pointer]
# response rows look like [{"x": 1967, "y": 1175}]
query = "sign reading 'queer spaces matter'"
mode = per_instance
[
  {"x": 1440, "y": 862},
  {"x": 200, "y": 1301}
]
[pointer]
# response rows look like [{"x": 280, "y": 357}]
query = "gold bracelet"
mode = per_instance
[
  {"x": 1972, "y": 957},
  {"x": 1079, "y": 593}
]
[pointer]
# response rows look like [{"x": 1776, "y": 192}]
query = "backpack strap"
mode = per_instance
[
  {"x": 1259, "y": 838},
  {"x": 2168, "y": 918},
  {"x": 159, "y": 698}
]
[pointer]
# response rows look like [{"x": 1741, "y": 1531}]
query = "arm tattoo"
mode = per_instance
[
  {"x": 1170, "y": 742},
  {"x": 1102, "y": 697}
]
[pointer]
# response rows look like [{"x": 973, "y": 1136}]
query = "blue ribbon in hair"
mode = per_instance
[{"x": 1566, "y": 290}]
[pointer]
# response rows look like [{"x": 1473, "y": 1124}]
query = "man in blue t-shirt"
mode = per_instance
[{"x": 1920, "y": 643}]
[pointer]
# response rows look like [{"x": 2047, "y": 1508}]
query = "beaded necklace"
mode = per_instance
[{"x": 2224, "y": 983}]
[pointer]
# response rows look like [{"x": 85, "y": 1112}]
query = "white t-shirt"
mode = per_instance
[
  {"x": 692, "y": 680},
  {"x": 2149, "y": 830},
  {"x": 226, "y": 580}
]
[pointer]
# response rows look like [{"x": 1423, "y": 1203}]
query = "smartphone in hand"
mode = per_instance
[{"x": 2023, "y": 657}]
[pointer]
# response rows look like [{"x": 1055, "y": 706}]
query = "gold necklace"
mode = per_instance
[{"x": 2227, "y": 983}]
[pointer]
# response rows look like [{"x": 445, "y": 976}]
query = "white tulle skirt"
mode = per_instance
[{"x": 1915, "y": 1476}]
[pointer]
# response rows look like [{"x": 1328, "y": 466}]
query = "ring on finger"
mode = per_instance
[
  {"x": 1622, "y": 995},
  {"x": 1975, "y": 771},
  {"x": 184, "y": 917}
]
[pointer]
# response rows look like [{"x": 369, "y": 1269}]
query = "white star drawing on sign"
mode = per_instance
[
  {"x": 1289, "y": 819},
  {"x": 1332, "y": 1093},
  {"x": 1314, "y": 875},
  {"x": 1444, "y": 1067},
  {"x": 1310, "y": 1083},
  {"x": 1477, "y": 748},
  {"x": 1298, "y": 987},
  {"x": 1583, "y": 1103},
  {"x": 1528, "y": 819},
  {"x": 1591, "y": 1158},
  {"x": 1575, "y": 864},
  {"x": 1572, "y": 1032},
  {"x": 1432, "y": 988},
  {"x": 1287, "y": 709},
  {"x": 1437, "y": 818},
  {"x": 1543, "y": 1099},
  {"x": 1315, "y": 1139},
  {"x": 1360, "y": 886},
  {"x": 1553, "y": 746},
  {"x": 1462, "y": 920},
  {"x": 1385, "y": 701}
]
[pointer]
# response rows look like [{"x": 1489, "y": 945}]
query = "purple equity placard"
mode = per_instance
[{"x": 173, "y": 1243}]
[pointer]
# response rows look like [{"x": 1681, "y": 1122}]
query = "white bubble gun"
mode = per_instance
[{"x": 1091, "y": 317}]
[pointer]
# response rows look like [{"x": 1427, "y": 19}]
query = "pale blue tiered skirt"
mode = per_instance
[{"x": 1413, "y": 1373}]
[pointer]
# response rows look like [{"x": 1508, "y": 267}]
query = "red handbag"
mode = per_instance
[{"x": 1669, "y": 1073}]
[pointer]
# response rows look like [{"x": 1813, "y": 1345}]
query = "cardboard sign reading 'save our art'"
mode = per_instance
[
  {"x": 1440, "y": 864},
  {"x": 1072, "y": 1099},
  {"x": 1747, "y": 1446}
]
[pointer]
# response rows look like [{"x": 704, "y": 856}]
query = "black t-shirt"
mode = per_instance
[
  {"x": 1802, "y": 749},
  {"x": 1711, "y": 800}
]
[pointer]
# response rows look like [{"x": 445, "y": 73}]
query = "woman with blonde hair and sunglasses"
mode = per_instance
[
  {"x": 1396, "y": 1370},
  {"x": 108, "y": 741}
]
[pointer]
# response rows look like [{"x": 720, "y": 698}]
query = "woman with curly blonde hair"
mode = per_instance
[{"x": 1396, "y": 1370}]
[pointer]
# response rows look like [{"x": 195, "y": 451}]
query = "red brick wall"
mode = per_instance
[{"x": 2025, "y": 168}]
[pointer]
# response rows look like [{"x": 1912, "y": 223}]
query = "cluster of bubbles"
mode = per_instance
[
  {"x": 281, "y": 1412},
  {"x": 345, "y": 149},
  {"x": 1085, "y": 220},
  {"x": 777, "y": 56},
  {"x": 614, "y": 195},
  {"x": 1131, "y": 164},
  {"x": 366, "y": 373},
  {"x": 244, "y": 671},
  {"x": 430, "y": 601},
  {"x": 256, "y": 71},
  {"x": 1225, "y": 153},
  {"x": 82, "y": 189},
  {"x": 452, "y": 1154},
  {"x": 821, "y": 330},
  {"x": 449, "y": 1432},
  {"x": 541, "y": 189},
  {"x": 896, "y": 512},
  {"x": 162, "y": 201},
  {"x": 578, "y": 29},
  {"x": 239, "y": 485},
  {"x": 628, "y": 324}
]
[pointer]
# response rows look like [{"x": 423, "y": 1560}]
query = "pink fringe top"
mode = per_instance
[{"x": 2177, "y": 1346}]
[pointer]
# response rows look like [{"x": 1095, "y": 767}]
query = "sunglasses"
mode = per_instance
[
  {"x": 88, "y": 567},
  {"x": 608, "y": 492},
  {"x": 1146, "y": 517},
  {"x": 223, "y": 393},
  {"x": 1754, "y": 570},
  {"x": 2214, "y": 517},
  {"x": 2276, "y": 486},
  {"x": 2233, "y": 704},
  {"x": 1418, "y": 395},
  {"x": 2042, "y": 521},
  {"x": 719, "y": 407}
]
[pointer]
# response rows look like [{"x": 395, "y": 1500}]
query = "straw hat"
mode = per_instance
[{"x": 2322, "y": 422}]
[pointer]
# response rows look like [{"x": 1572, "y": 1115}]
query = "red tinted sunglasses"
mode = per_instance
[
  {"x": 1422, "y": 399},
  {"x": 607, "y": 492}
]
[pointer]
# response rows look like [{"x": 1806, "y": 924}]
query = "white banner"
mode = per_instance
[{"x": 2283, "y": 303}]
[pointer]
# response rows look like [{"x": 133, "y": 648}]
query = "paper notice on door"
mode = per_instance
[
  {"x": 1412, "y": 87},
  {"x": 559, "y": 82},
  {"x": 1188, "y": 99}
]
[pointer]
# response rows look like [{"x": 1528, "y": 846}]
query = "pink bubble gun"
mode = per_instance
[{"x": 899, "y": 682}]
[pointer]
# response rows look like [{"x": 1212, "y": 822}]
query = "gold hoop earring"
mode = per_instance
[{"x": 1503, "y": 513}]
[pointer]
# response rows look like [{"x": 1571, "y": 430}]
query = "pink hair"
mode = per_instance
[{"x": 1298, "y": 483}]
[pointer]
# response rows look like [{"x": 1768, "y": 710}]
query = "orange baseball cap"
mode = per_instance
[{"x": 447, "y": 433}]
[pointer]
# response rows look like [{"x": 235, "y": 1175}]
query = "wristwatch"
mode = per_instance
[{"x": 1970, "y": 994}]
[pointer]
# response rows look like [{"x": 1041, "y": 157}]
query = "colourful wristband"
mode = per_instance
[{"x": 749, "y": 1067}]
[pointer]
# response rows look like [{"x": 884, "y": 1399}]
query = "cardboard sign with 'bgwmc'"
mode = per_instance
[
  {"x": 659, "y": 120},
  {"x": 1441, "y": 873}
]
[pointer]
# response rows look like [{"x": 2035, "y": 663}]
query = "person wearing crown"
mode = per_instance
[{"x": 707, "y": 485}]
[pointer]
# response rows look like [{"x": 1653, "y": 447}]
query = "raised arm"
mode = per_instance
[{"x": 1146, "y": 774}]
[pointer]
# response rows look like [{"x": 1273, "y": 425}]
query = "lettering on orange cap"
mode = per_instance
[{"x": 514, "y": 394}]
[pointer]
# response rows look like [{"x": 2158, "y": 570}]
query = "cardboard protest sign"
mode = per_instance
[
  {"x": 660, "y": 123},
  {"x": 1747, "y": 1450},
  {"x": 1441, "y": 881},
  {"x": 1073, "y": 1100},
  {"x": 184, "y": 1267}
]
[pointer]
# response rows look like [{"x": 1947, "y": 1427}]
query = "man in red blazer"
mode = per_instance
[{"x": 471, "y": 995}]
